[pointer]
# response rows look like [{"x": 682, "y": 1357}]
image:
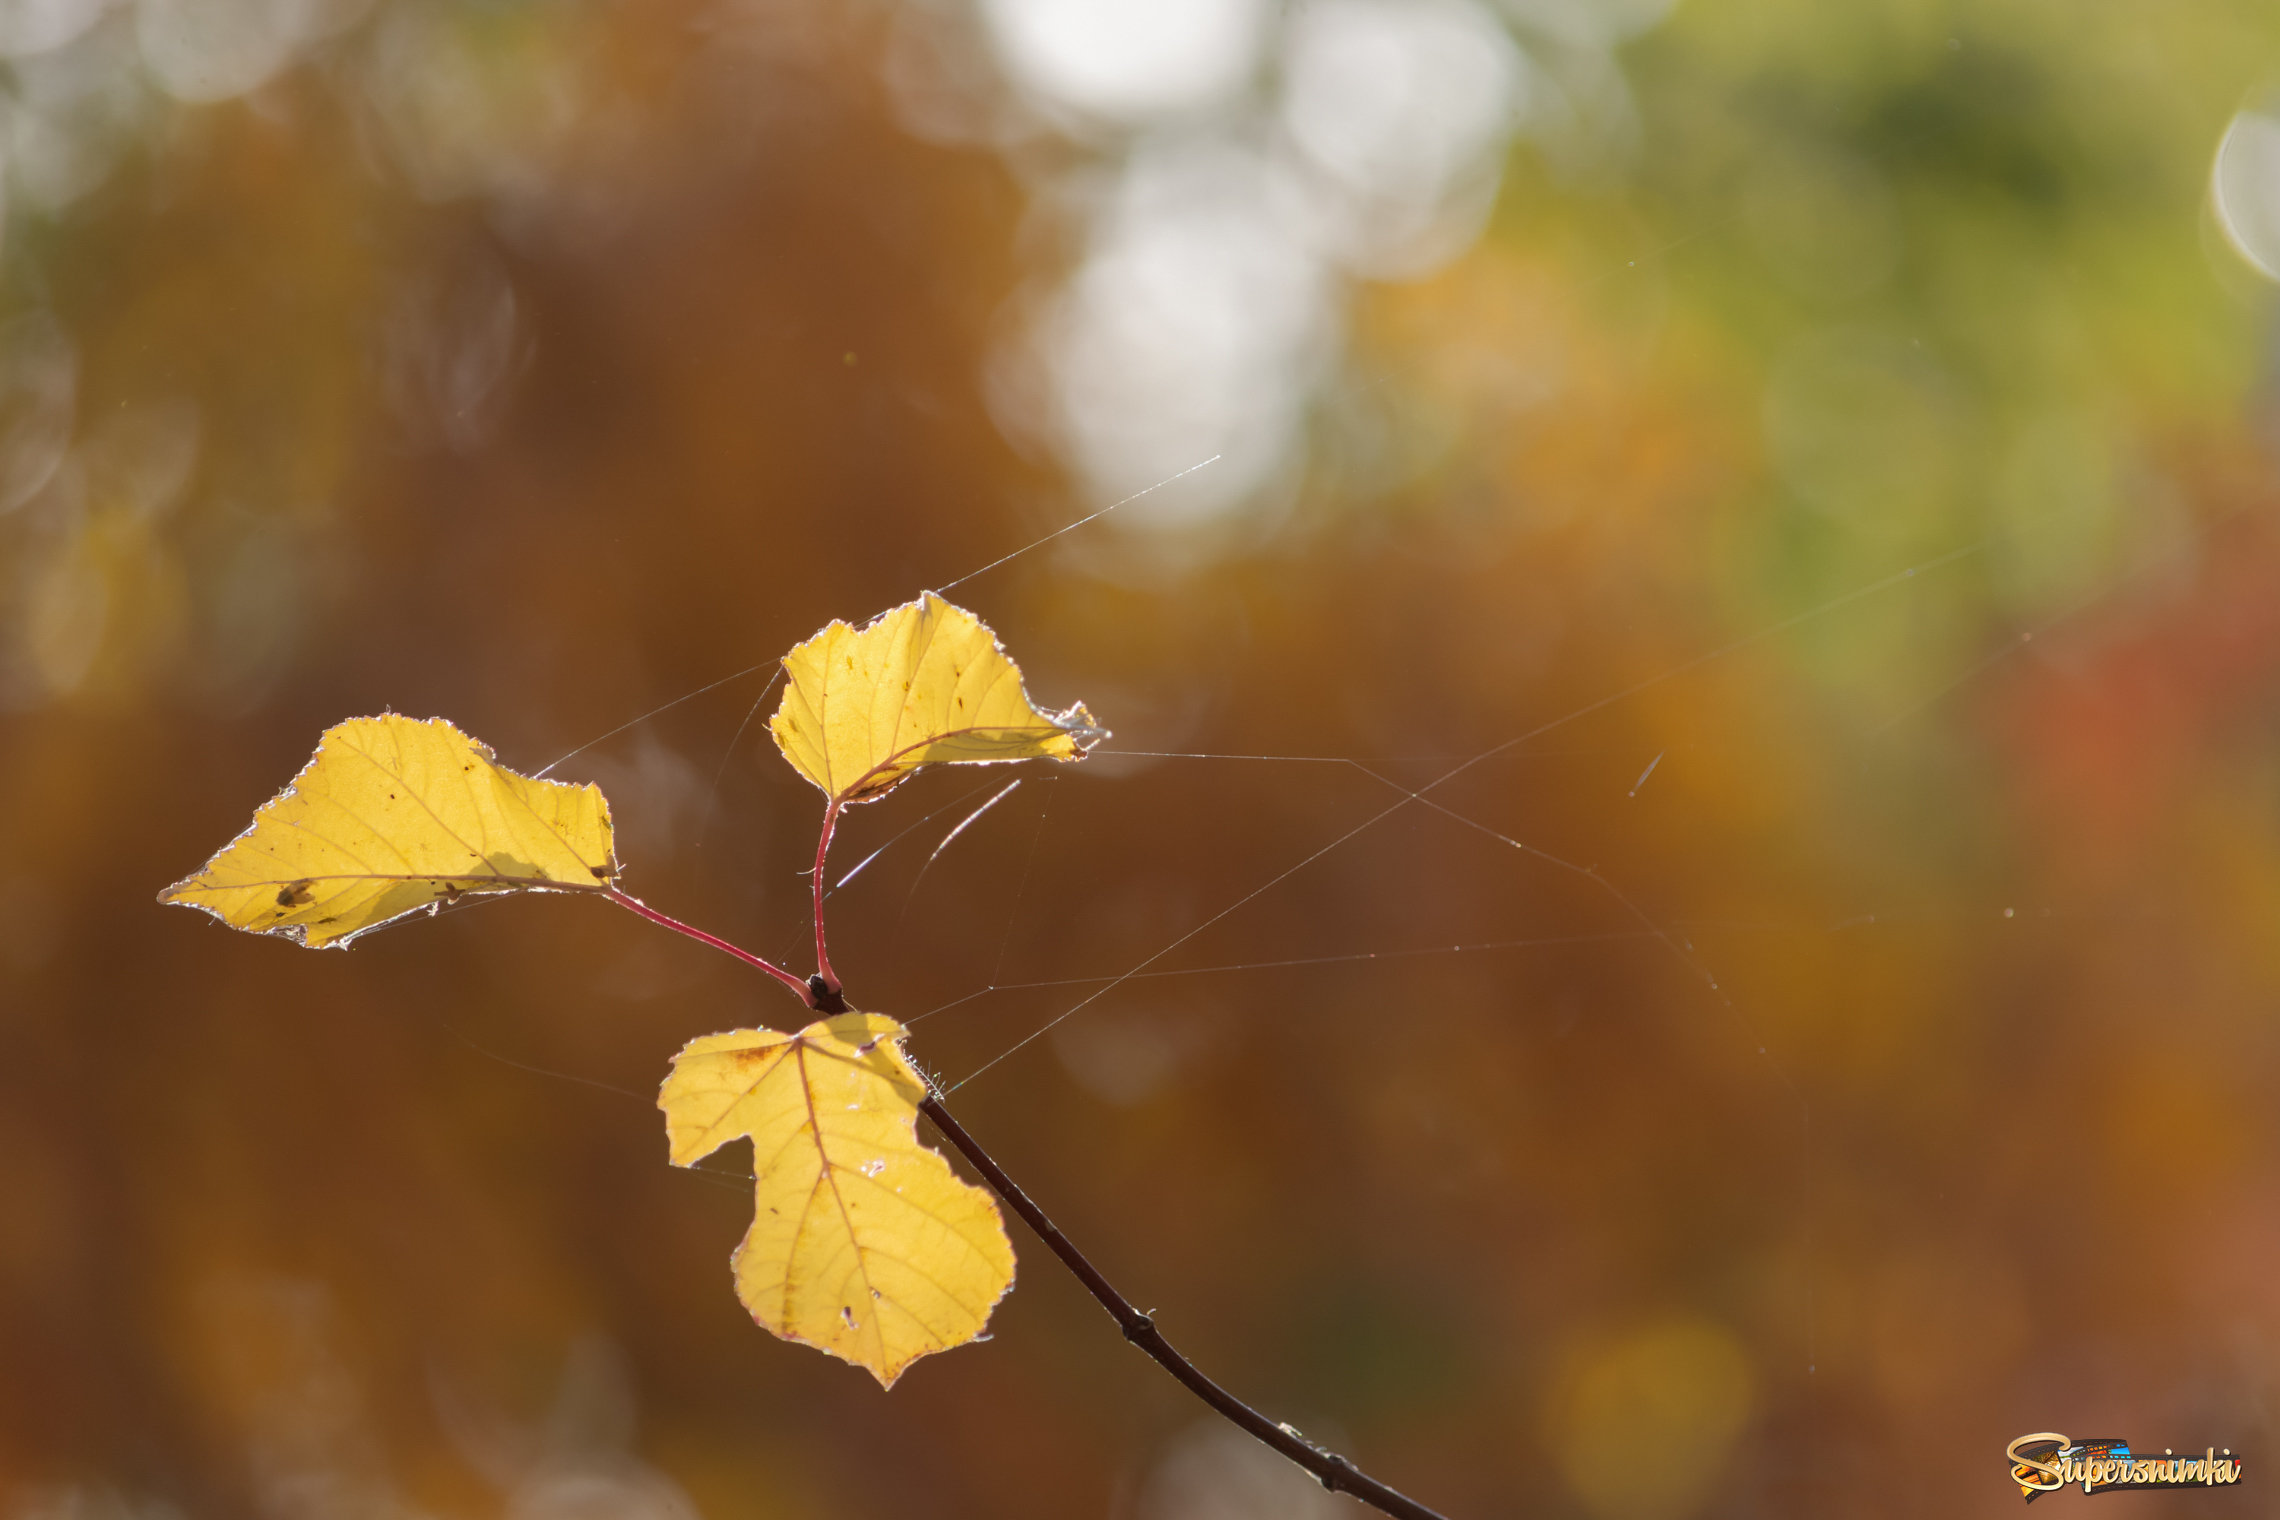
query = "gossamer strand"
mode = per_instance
[{"x": 1768, "y": 631}]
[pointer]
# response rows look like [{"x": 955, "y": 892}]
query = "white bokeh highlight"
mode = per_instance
[
  {"x": 1191, "y": 329},
  {"x": 37, "y": 26},
  {"x": 1128, "y": 61},
  {"x": 1404, "y": 108},
  {"x": 1249, "y": 165},
  {"x": 2244, "y": 189}
]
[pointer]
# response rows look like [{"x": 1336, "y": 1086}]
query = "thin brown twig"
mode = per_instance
[
  {"x": 634, "y": 904},
  {"x": 1333, "y": 1471},
  {"x": 823, "y": 848}
]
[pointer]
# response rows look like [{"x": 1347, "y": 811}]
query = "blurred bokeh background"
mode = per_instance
[{"x": 1835, "y": 441}]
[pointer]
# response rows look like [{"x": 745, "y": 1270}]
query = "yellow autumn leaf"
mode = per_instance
[
  {"x": 392, "y": 815},
  {"x": 863, "y": 1242},
  {"x": 923, "y": 684}
]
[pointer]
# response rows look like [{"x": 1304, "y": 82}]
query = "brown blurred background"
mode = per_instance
[{"x": 1863, "y": 413}]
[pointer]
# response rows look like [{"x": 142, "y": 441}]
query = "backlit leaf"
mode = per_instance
[
  {"x": 392, "y": 815},
  {"x": 863, "y": 1242},
  {"x": 923, "y": 684}
]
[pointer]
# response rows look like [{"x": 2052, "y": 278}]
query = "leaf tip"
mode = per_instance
[{"x": 1082, "y": 728}]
